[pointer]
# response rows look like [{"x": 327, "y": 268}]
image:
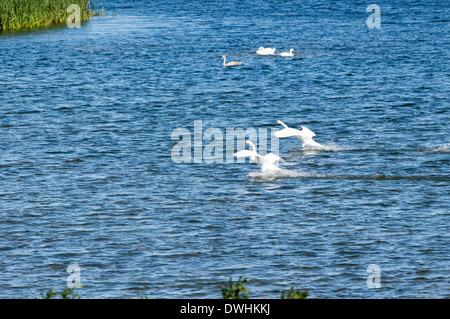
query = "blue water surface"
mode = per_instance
[{"x": 87, "y": 177}]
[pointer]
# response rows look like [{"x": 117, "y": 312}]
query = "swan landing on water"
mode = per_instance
[
  {"x": 304, "y": 135},
  {"x": 232, "y": 63},
  {"x": 266, "y": 162}
]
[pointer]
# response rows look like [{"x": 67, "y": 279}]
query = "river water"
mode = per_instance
[{"x": 88, "y": 176}]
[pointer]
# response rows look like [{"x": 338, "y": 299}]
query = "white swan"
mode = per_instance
[
  {"x": 266, "y": 162},
  {"x": 232, "y": 63},
  {"x": 265, "y": 51},
  {"x": 304, "y": 135},
  {"x": 287, "y": 54}
]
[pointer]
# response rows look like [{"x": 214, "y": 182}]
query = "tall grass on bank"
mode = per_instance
[{"x": 22, "y": 14}]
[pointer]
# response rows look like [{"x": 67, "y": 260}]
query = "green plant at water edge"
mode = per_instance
[
  {"x": 65, "y": 294},
  {"x": 235, "y": 290},
  {"x": 22, "y": 14},
  {"x": 293, "y": 294}
]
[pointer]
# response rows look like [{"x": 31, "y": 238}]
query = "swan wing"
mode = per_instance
[
  {"x": 307, "y": 133},
  {"x": 287, "y": 132},
  {"x": 245, "y": 153}
]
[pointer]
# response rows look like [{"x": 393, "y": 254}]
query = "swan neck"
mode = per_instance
[
  {"x": 253, "y": 146},
  {"x": 285, "y": 126}
]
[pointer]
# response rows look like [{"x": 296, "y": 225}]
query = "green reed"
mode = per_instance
[{"x": 22, "y": 14}]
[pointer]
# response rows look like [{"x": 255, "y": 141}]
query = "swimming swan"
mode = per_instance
[
  {"x": 266, "y": 162},
  {"x": 229, "y": 63},
  {"x": 287, "y": 54},
  {"x": 304, "y": 135},
  {"x": 266, "y": 51}
]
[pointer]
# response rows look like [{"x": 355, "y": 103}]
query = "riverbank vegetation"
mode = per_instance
[
  {"x": 230, "y": 290},
  {"x": 24, "y": 14},
  {"x": 238, "y": 290}
]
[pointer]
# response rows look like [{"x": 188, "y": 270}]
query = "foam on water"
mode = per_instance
[
  {"x": 328, "y": 147},
  {"x": 445, "y": 148},
  {"x": 283, "y": 173}
]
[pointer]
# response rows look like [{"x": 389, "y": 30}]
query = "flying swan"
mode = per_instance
[
  {"x": 266, "y": 162},
  {"x": 304, "y": 135},
  {"x": 287, "y": 54},
  {"x": 265, "y": 51},
  {"x": 232, "y": 63}
]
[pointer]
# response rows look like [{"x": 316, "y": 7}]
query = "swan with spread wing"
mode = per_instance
[{"x": 304, "y": 135}]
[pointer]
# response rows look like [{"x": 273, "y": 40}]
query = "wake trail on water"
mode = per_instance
[
  {"x": 333, "y": 147},
  {"x": 286, "y": 173},
  {"x": 445, "y": 148},
  {"x": 283, "y": 173},
  {"x": 328, "y": 147}
]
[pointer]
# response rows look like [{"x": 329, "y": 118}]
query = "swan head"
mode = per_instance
[
  {"x": 261, "y": 48},
  {"x": 223, "y": 57},
  {"x": 291, "y": 50}
]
